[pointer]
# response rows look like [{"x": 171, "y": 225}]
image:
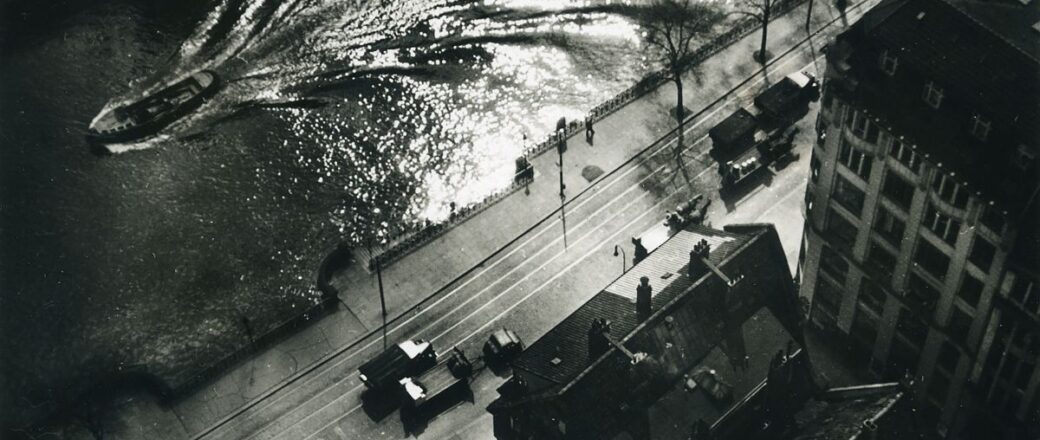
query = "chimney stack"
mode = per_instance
[
  {"x": 598, "y": 343},
  {"x": 696, "y": 267},
  {"x": 643, "y": 294}
]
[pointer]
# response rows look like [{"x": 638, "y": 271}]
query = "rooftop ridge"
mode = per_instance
[
  {"x": 752, "y": 238},
  {"x": 991, "y": 31}
]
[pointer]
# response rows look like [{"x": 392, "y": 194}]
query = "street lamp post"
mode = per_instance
[
  {"x": 561, "y": 146},
  {"x": 623, "y": 257},
  {"x": 382, "y": 298}
]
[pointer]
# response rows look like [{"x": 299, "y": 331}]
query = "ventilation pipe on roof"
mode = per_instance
[
  {"x": 698, "y": 257},
  {"x": 599, "y": 343},
  {"x": 643, "y": 294}
]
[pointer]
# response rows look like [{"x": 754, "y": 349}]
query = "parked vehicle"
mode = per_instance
[
  {"x": 406, "y": 358},
  {"x": 788, "y": 100},
  {"x": 758, "y": 157},
  {"x": 503, "y": 346},
  {"x": 437, "y": 389},
  {"x": 691, "y": 211},
  {"x": 750, "y": 139}
]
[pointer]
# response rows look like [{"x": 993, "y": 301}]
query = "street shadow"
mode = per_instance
[
  {"x": 416, "y": 419},
  {"x": 378, "y": 405},
  {"x": 783, "y": 161},
  {"x": 502, "y": 370},
  {"x": 732, "y": 194}
]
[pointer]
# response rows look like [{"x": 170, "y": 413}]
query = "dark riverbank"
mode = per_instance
[{"x": 148, "y": 261}]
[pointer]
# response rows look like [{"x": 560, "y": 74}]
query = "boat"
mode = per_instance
[{"x": 151, "y": 114}]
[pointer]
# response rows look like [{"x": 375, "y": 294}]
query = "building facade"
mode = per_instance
[{"x": 920, "y": 249}]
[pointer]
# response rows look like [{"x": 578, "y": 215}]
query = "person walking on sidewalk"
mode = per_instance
[{"x": 589, "y": 132}]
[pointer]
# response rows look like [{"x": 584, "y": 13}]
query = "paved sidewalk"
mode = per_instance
[{"x": 619, "y": 137}]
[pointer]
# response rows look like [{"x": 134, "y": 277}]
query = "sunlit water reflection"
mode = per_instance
[{"x": 333, "y": 121}]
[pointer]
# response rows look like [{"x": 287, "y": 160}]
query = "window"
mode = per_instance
[
  {"x": 982, "y": 253},
  {"x": 949, "y": 190},
  {"x": 980, "y": 127},
  {"x": 911, "y": 327},
  {"x": 1007, "y": 371},
  {"x": 855, "y": 160},
  {"x": 938, "y": 387},
  {"x": 942, "y": 225},
  {"x": 992, "y": 218},
  {"x": 814, "y": 168},
  {"x": 871, "y": 296},
  {"x": 959, "y": 325},
  {"x": 862, "y": 126},
  {"x": 848, "y": 196},
  {"x": 827, "y": 299},
  {"x": 898, "y": 190},
  {"x": 863, "y": 331},
  {"x": 881, "y": 260},
  {"x": 889, "y": 227},
  {"x": 905, "y": 155},
  {"x": 888, "y": 63},
  {"x": 948, "y": 357},
  {"x": 902, "y": 359},
  {"x": 971, "y": 290},
  {"x": 821, "y": 132},
  {"x": 1024, "y": 292},
  {"x": 843, "y": 231},
  {"x": 933, "y": 95},
  {"x": 921, "y": 293},
  {"x": 931, "y": 259},
  {"x": 834, "y": 264}
]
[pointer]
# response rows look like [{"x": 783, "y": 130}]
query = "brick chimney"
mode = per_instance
[
  {"x": 598, "y": 343},
  {"x": 696, "y": 267},
  {"x": 643, "y": 294}
]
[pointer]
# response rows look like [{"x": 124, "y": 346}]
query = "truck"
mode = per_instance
[
  {"x": 406, "y": 358},
  {"x": 436, "y": 389},
  {"x": 750, "y": 139}
]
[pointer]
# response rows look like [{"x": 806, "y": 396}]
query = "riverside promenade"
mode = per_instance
[{"x": 417, "y": 281}]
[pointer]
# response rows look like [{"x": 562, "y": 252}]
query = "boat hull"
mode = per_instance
[{"x": 159, "y": 121}]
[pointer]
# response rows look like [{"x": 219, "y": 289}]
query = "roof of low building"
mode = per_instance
[
  {"x": 845, "y": 413},
  {"x": 731, "y": 319},
  {"x": 562, "y": 353}
]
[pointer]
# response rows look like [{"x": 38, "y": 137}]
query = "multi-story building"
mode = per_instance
[{"x": 921, "y": 243}]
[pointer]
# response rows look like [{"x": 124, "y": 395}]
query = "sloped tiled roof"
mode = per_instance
[
  {"x": 562, "y": 353},
  {"x": 840, "y": 413}
]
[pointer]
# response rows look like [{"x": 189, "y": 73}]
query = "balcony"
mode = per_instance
[
  {"x": 948, "y": 208},
  {"x": 861, "y": 144}
]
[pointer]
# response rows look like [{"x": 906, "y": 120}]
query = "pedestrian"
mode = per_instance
[
  {"x": 451, "y": 208},
  {"x": 589, "y": 131}
]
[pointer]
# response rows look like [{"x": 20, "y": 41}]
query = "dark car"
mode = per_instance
[
  {"x": 407, "y": 358},
  {"x": 503, "y": 346}
]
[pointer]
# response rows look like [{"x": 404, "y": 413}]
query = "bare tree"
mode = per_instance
[
  {"x": 673, "y": 26},
  {"x": 760, "y": 10}
]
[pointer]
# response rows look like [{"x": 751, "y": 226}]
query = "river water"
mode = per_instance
[{"x": 329, "y": 111}]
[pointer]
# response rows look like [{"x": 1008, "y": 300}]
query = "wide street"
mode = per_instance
[{"x": 536, "y": 281}]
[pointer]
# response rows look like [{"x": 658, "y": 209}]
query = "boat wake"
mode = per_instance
[{"x": 274, "y": 53}]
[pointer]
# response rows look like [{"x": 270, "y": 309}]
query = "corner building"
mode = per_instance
[{"x": 920, "y": 252}]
